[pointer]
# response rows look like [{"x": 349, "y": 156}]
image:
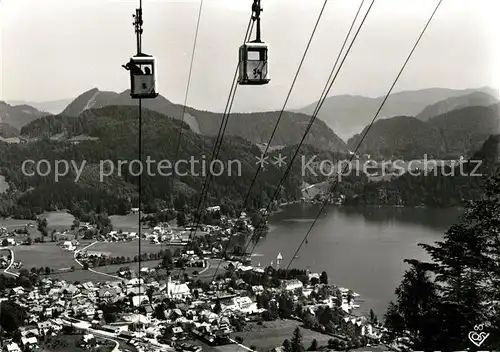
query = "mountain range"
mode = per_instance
[
  {"x": 52, "y": 107},
  {"x": 254, "y": 127},
  {"x": 449, "y": 135},
  {"x": 19, "y": 115},
  {"x": 103, "y": 125},
  {"x": 407, "y": 133},
  {"x": 114, "y": 131},
  {"x": 477, "y": 98},
  {"x": 349, "y": 114}
]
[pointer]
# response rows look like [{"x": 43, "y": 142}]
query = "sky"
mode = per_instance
[{"x": 57, "y": 49}]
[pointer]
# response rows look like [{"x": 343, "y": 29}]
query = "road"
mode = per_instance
[
  {"x": 240, "y": 345},
  {"x": 84, "y": 325},
  {"x": 92, "y": 270},
  {"x": 6, "y": 271}
]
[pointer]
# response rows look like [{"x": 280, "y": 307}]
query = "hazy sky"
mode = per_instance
[{"x": 55, "y": 49}]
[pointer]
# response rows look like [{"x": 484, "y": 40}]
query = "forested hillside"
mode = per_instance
[{"x": 116, "y": 131}]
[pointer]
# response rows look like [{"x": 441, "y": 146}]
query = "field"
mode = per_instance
[
  {"x": 272, "y": 334},
  {"x": 128, "y": 223},
  {"x": 51, "y": 255},
  {"x": 43, "y": 254},
  {"x": 58, "y": 220},
  {"x": 112, "y": 269},
  {"x": 4, "y": 253},
  {"x": 4, "y": 186},
  {"x": 81, "y": 276},
  {"x": 13, "y": 224},
  {"x": 69, "y": 343},
  {"x": 128, "y": 249}
]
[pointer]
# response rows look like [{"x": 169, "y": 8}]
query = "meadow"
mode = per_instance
[
  {"x": 81, "y": 276},
  {"x": 128, "y": 249},
  {"x": 4, "y": 186},
  {"x": 272, "y": 334},
  {"x": 113, "y": 269},
  {"x": 70, "y": 343},
  {"x": 58, "y": 220},
  {"x": 14, "y": 224},
  {"x": 43, "y": 254},
  {"x": 127, "y": 223}
]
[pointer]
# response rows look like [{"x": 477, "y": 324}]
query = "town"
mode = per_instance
[{"x": 192, "y": 295}]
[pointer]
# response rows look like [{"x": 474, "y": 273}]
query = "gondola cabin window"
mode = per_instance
[
  {"x": 253, "y": 67},
  {"x": 143, "y": 77}
]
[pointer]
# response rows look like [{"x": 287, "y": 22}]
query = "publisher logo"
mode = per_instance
[{"x": 477, "y": 337}]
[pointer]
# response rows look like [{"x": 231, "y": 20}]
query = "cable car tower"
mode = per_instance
[
  {"x": 142, "y": 67},
  {"x": 253, "y": 66}
]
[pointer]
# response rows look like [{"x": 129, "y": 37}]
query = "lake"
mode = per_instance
[{"x": 361, "y": 248}]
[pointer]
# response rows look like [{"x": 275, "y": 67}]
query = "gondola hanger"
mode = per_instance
[
  {"x": 253, "y": 56},
  {"x": 142, "y": 67}
]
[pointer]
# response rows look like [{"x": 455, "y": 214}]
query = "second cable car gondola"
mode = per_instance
[
  {"x": 253, "y": 65},
  {"x": 143, "y": 76}
]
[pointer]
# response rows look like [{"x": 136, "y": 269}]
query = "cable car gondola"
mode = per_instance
[
  {"x": 143, "y": 76},
  {"x": 142, "y": 67},
  {"x": 253, "y": 69},
  {"x": 253, "y": 56}
]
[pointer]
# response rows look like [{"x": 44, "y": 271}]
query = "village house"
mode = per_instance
[
  {"x": 291, "y": 285},
  {"x": 11, "y": 242},
  {"x": 175, "y": 290},
  {"x": 213, "y": 209},
  {"x": 29, "y": 342},
  {"x": 13, "y": 347},
  {"x": 88, "y": 341},
  {"x": 68, "y": 246}
]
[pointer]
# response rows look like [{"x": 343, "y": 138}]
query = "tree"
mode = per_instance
[
  {"x": 373, "y": 317},
  {"x": 339, "y": 297},
  {"x": 238, "y": 250},
  {"x": 177, "y": 252},
  {"x": 160, "y": 312},
  {"x": 42, "y": 227},
  {"x": 350, "y": 296},
  {"x": 296, "y": 341},
  {"x": 180, "y": 202},
  {"x": 217, "y": 307},
  {"x": 12, "y": 316},
  {"x": 181, "y": 219},
  {"x": 415, "y": 310},
  {"x": 314, "y": 346},
  {"x": 309, "y": 320},
  {"x": 149, "y": 292},
  {"x": 5, "y": 243},
  {"x": 287, "y": 346},
  {"x": 258, "y": 221},
  {"x": 285, "y": 306},
  {"x": 76, "y": 224},
  {"x": 439, "y": 303},
  {"x": 336, "y": 344},
  {"x": 323, "y": 279},
  {"x": 167, "y": 261}
]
